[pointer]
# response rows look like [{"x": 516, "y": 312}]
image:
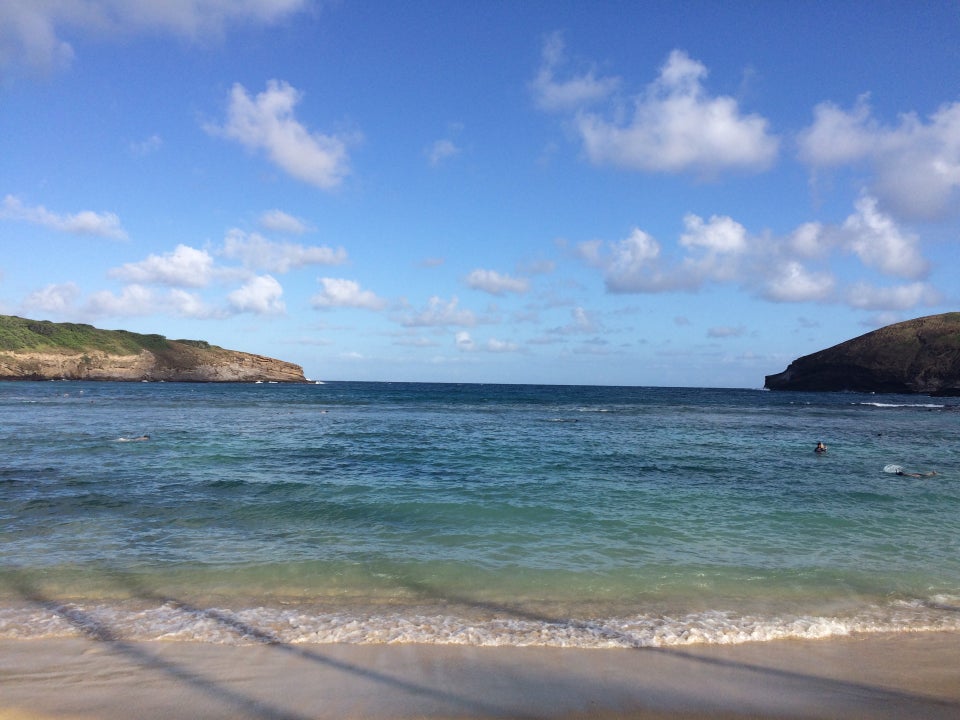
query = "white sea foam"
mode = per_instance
[
  {"x": 902, "y": 405},
  {"x": 172, "y": 622}
]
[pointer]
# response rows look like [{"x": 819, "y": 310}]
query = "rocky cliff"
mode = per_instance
[
  {"x": 916, "y": 356},
  {"x": 41, "y": 350}
]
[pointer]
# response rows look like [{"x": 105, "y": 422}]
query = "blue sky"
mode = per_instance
[{"x": 655, "y": 193}]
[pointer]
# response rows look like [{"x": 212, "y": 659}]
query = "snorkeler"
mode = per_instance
[{"x": 906, "y": 474}]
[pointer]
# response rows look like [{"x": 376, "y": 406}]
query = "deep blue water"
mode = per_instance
[{"x": 484, "y": 514}]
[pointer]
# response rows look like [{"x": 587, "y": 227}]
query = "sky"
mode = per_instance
[{"x": 615, "y": 193}]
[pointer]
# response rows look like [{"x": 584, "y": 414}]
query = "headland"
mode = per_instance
[{"x": 43, "y": 350}]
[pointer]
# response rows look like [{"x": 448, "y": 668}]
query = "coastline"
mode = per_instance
[{"x": 913, "y": 675}]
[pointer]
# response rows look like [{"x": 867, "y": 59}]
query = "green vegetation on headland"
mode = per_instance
[
  {"x": 916, "y": 356},
  {"x": 43, "y": 350},
  {"x": 18, "y": 333}
]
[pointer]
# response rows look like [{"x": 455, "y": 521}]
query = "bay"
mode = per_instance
[{"x": 480, "y": 514}]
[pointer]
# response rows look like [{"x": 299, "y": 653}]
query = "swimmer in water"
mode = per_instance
[
  {"x": 906, "y": 474},
  {"x": 820, "y": 448},
  {"x": 142, "y": 438}
]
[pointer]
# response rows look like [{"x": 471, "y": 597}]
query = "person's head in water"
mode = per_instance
[{"x": 820, "y": 448}]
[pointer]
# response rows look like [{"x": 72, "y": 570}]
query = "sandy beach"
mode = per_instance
[{"x": 914, "y": 675}]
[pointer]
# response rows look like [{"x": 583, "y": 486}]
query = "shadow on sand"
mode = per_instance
[
  {"x": 93, "y": 629},
  {"x": 460, "y": 704}
]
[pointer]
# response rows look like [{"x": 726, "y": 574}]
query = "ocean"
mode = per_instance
[{"x": 473, "y": 514}]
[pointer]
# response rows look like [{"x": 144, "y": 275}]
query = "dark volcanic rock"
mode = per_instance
[{"x": 916, "y": 356}]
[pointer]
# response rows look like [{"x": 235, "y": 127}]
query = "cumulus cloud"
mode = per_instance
[
  {"x": 266, "y": 122},
  {"x": 342, "y": 293},
  {"x": 793, "y": 282},
  {"x": 793, "y": 268},
  {"x": 32, "y": 33},
  {"x": 137, "y": 300},
  {"x": 64, "y": 300},
  {"x": 86, "y": 222},
  {"x": 915, "y": 163},
  {"x": 560, "y": 95},
  {"x": 880, "y": 243},
  {"x": 184, "y": 267},
  {"x": 495, "y": 283},
  {"x": 260, "y": 295},
  {"x": 721, "y": 234},
  {"x": 715, "y": 253},
  {"x": 717, "y": 247},
  {"x": 57, "y": 299},
  {"x": 256, "y": 251},
  {"x": 676, "y": 126},
  {"x": 279, "y": 221},
  {"x": 440, "y": 312}
]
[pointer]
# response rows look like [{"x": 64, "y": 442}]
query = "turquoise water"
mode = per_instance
[{"x": 480, "y": 514}]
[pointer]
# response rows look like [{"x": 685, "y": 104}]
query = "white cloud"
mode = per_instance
[
  {"x": 85, "y": 222},
  {"x": 137, "y": 300},
  {"x": 279, "y": 221},
  {"x": 552, "y": 95},
  {"x": 915, "y": 164},
  {"x": 442, "y": 150},
  {"x": 255, "y": 251},
  {"x": 792, "y": 282},
  {"x": 837, "y": 137},
  {"x": 900, "y": 297},
  {"x": 633, "y": 265},
  {"x": 794, "y": 268},
  {"x": 581, "y": 322},
  {"x": 717, "y": 248},
  {"x": 466, "y": 343},
  {"x": 28, "y": 36},
  {"x": 494, "y": 283},
  {"x": 721, "y": 234},
  {"x": 261, "y": 295},
  {"x": 677, "y": 127},
  {"x": 338, "y": 292},
  {"x": 187, "y": 304},
  {"x": 31, "y": 33},
  {"x": 58, "y": 299},
  {"x": 879, "y": 242},
  {"x": 184, "y": 267},
  {"x": 267, "y": 123},
  {"x": 500, "y": 346},
  {"x": 132, "y": 300},
  {"x": 439, "y": 312},
  {"x": 809, "y": 241}
]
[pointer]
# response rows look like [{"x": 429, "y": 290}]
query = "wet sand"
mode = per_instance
[{"x": 903, "y": 676}]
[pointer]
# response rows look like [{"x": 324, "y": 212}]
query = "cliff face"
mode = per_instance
[
  {"x": 32, "y": 350},
  {"x": 916, "y": 356}
]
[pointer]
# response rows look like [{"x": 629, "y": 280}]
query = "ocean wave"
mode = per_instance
[
  {"x": 935, "y": 406},
  {"x": 174, "y": 622}
]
